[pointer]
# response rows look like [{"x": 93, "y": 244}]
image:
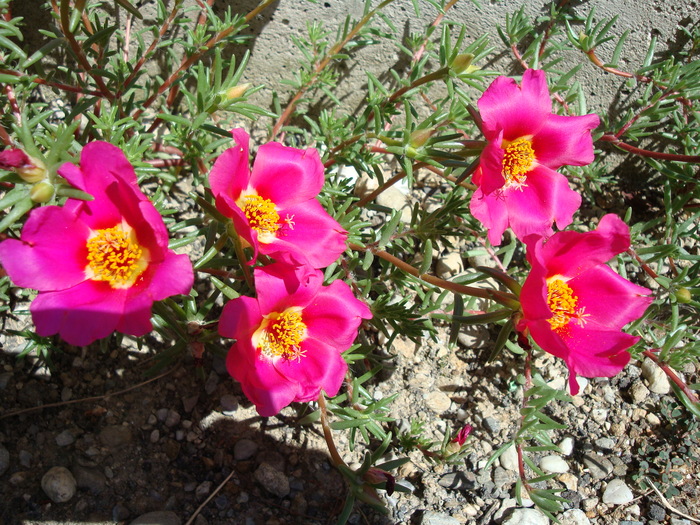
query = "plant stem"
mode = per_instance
[
  {"x": 328, "y": 432},
  {"x": 695, "y": 159},
  {"x": 504, "y": 298},
  {"x": 79, "y": 55}
]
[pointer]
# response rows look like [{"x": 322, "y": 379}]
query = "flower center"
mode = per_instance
[
  {"x": 261, "y": 214},
  {"x": 517, "y": 161},
  {"x": 115, "y": 256},
  {"x": 562, "y": 302},
  {"x": 281, "y": 334}
]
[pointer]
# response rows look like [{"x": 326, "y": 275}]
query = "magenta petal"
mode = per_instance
[
  {"x": 598, "y": 353},
  {"x": 231, "y": 173},
  {"x": 571, "y": 253},
  {"x": 240, "y": 318},
  {"x": 172, "y": 276},
  {"x": 565, "y": 141},
  {"x": 545, "y": 199},
  {"x": 136, "y": 318},
  {"x": 517, "y": 110},
  {"x": 80, "y": 315},
  {"x": 315, "y": 238},
  {"x": 610, "y": 301},
  {"x": 287, "y": 176},
  {"x": 266, "y": 388},
  {"x": 52, "y": 254},
  {"x": 533, "y": 296},
  {"x": 322, "y": 368},
  {"x": 334, "y": 316},
  {"x": 492, "y": 212},
  {"x": 281, "y": 286},
  {"x": 491, "y": 163}
]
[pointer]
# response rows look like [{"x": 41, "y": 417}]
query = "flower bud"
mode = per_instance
[
  {"x": 463, "y": 64},
  {"x": 683, "y": 295},
  {"x": 237, "y": 91},
  {"x": 41, "y": 192},
  {"x": 419, "y": 137},
  {"x": 29, "y": 168}
]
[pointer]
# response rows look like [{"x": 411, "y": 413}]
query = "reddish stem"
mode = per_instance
[
  {"x": 650, "y": 154},
  {"x": 599, "y": 63}
]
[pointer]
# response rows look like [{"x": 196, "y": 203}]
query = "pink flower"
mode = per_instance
[
  {"x": 274, "y": 207},
  {"x": 462, "y": 435},
  {"x": 517, "y": 184},
  {"x": 98, "y": 265},
  {"x": 289, "y": 339},
  {"x": 574, "y": 306}
]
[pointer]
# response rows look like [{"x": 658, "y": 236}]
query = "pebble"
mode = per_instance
[
  {"x": 605, "y": 443},
  {"x": 89, "y": 478},
  {"x": 229, "y": 404},
  {"x": 59, "y": 484},
  {"x": 211, "y": 383},
  {"x": 526, "y": 517},
  {"x": 395, "y": 199},
  {"x": 155, "y": 436},
  {"x": 437, "y": 518},
  {"x": 244, "y": 449},
  {"x": 617, "y": 493},
  {"x": 172, "y": 419},
  {"x": 159, "y": 517},
  {"x": 573, "y": 517},
  {"x": 120, "y": 512},
  {"x": 653, "y": 419},
  {"x": 656, "y": 512},
  {"x": 458, "y": 480},
  {"x": 638, "y": 392},
  {"x": 203, "y": 489},
  {"x": 25, "y": 458},
  {"x": 4, "y": 460},
  {"x": 272, "y": 480},
  {"x": 438, "y": 402},
  {"x": 509, "y": 459},
  {"x": 569, "y": 480},
  {"x": 658, "y": 382},
  {"x": 492, "y": 425},
  {"x": 449, "y": 266},
  {"x": 65, "y": 438},
  {"x": 115, "y": 436},
  {"x": 599, "y": 466},
  {"x": 566, "y": 445},
  {"x": 554, "y": 464}
]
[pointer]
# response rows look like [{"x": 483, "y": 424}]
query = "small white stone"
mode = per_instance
[
  {"x": 438, "y": 402},
  {"x": 59, "y": 484},
  {"x": 509, "y": 459},
  {"x": 573, "y": 517},
  {"x": 449, "y": 266},
  {"x": 566, "y": 445},
  {"x": 653, "y": 419},
  {"x": 526, "y": 517},
  {"x": 617, "y": 493},
  {"x": 554, "y": 464},
  {"x": 658, "y": 382}
]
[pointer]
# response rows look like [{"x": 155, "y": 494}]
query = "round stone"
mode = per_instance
[{"x": 59, "y": 484}]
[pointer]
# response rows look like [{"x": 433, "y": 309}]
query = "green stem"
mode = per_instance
[{"x": 328, "y": 432}]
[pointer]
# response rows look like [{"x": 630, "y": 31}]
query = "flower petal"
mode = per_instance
[
  {"x": 565, "y": 140},
  {"x": 491, "y": 166},
  {"x": 240, "y": 318},
  {"x": 517, "y": 110},
  {"x": 571, "y": 253},
  {"x": 80, "y": 315},
  {"x": 281, "y": 286},
  {"x": 287, "y": 176},
  {"x": 547, "y": 198},
  {"x": 610, "y": 301},
  {"x": 312, "y": 236},
  {"x": 51, "y": 235},
  {"x": 231, "y": 173},
  {"x": 491, "y": 211},
  {"x": 334, "y": 316}
]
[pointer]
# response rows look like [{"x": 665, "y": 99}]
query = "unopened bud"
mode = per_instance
[
  {"x": 375, "y": 476},
  {"x": 463, "y": 64},
  {"x": 237, "y": 91},
  {"x": 419, "y": 137},
  {"x": 683, "y": 295},
  {"x": 41, "y": 192},
  {"x": 29, "y": 168}
]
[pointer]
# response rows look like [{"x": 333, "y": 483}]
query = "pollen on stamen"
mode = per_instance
[
  {"x": 261, "y": 214},
  {"x": 282, "y": 336},
  {"x": 518, "y": 159},
  {"x": 114, "y": 256},
  {"x": 563, "y": 304}
]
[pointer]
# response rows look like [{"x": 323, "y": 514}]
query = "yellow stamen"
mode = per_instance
[
  {"x": 261, "y": 214},
  {"x": 280, "y": 335},
  {"x": 517, "y": 161},
  {"x": 114, "y": 255},
  {"x": 562, "y": 302}
]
